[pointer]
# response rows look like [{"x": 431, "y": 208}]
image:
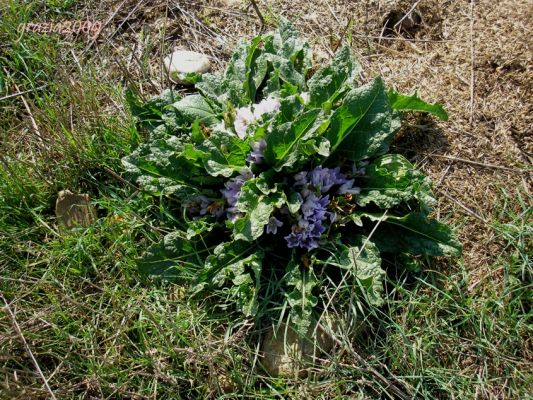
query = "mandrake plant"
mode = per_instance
[{"x": 281, "y": 182}]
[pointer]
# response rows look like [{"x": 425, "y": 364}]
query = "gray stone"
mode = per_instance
[
  {"x": 74, "y": 210},
  {"x": 287, "y": 354}
]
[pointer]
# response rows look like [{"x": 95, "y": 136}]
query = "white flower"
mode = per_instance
[
  {"x": 305, "y": 97},
  {"x": 221, "y": 126},
  {"x": 349, "y": 188},
  {"x": 265, "y": 106},
  {"x": 243, "y": 118}
]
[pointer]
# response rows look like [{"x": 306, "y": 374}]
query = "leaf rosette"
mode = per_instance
[{"x": 281, "y": 178}]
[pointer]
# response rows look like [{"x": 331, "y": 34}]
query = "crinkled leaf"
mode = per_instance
[
  {"x": 224, "y": 154},
  {"x": 299, "y": 295},
  {"x": 256, "y": 68},
  {"x": 402, "y": 102},
  {"x": 283, "y": 142},
  {"x": 364, "y": 125},
  {"x": 243, "y": 277},
  {"x": 362, "y": 259},
  {"x": 152, "y": 112},
  {"x": 161, "y": 167},
  {"x": 198, "y": 227},
  {"x": 415, "y": 234},
  {"x": 169, "y": 259},
  {"x": 195, "y": 107},
  {"x": 294, "y": 202},
  {"x": 390, "y": 180},
  {"x": 289, "y": 56},
  {"x": 219, "y": 90},
  {"x": 330, "y": 81},
  {"x": 257, "y": 208}
]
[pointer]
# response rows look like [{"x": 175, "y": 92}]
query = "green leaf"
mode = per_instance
[
  {"x": 390, "y": 180},
  {"x": 402, "y": 102},
  {"x": 299, "y": 295},
  {"x": 328, "y": 83},
  {"x": 219, "y": 91},
  {"x": 257, "y": 208},
  {"x": 362, "y": 259},
  {"x": 195, "y": 107},
  {"x": 365, "y": 123},
  {"x": 256, "y": 68},
  {"x": 198, "y": 227},
  {"x": 236, "y": 268},
  {"x": 290, "y": 57},
  {"x": 283, "y": 142},
  {"x": 169, "y": 259},
  {"x": 152, "y": 112},
  {"x": 243, "y": 276},
  {"x": 415, "y": 234},
  {"x": 164, "y": 167},
  {"x": 224, "y": 154},
  {"x": 294, "y": 202}
]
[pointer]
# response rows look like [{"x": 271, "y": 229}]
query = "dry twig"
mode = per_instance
[{"x": 259, "y": 15}]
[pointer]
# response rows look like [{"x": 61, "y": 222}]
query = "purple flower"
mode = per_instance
[
  {"x": 324, "y": 178},
  {"x": 312, "y": 186},
  {"x": 232, "y": 192},
  {"x": 305, "y": 234},
  {"x": 258, "y": 149},
  {"x": 309, "y": 227},
  {"x": 273, "y": 225}
]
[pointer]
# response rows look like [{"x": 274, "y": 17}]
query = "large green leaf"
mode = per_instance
[
  {"x": 243, "y": 277},
  {"x": 289, "y": 57},
  {"x": 415, "y": 234},
  {"x": 364, "y": 124},
  {"x": 224, "y": 154},
  {"x": 390, "y": 180},
  {"x": 362, "y": 259},
  {"x": 257, "y": 207},
  {"x": 256, "y": 68},
  {"x": 328, "y": 83},
  {"x": 283, "y": 142},
  {"x": 195, "y": 107},
  {"x": 219, "y": 91},
  {"x": 299, "y": 295},
  {"x": 151, "y": 113},
  {"x": 169, "y": 259},
  {"x": 161, "y": 167},
  {"x": 402, "y": 102}
]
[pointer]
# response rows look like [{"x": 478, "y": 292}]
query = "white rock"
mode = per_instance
[{"x": 182, "y": 62}]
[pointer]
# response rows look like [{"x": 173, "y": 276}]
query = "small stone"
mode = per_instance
[
  {"x": 286, "y": 354},
  {"x": 183, "y": 62},
  {"x": 74, "y": 210}
]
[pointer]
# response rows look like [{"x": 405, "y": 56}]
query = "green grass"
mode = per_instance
[{"x": 97, "y": 330}]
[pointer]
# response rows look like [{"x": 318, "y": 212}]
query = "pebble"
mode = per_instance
[{"x": 182, "y": 62}]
